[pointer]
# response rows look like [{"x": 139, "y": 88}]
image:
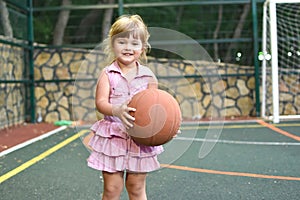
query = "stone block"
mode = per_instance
[{"x": 52, "y": 116}]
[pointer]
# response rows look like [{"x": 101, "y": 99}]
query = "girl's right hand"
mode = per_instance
[{"x": 122, "y": 112}]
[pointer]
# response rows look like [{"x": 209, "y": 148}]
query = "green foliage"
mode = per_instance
[{"x": 43, "y": 28}]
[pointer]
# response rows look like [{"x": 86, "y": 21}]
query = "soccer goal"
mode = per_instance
[{"x": 280, "y": 58}]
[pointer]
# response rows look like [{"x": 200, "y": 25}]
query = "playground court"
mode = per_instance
[{"x": 249, "y": 160}]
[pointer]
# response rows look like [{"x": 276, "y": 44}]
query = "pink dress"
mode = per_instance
[{"x": 113, "y": 149}]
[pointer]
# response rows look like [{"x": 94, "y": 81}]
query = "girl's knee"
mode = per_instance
[
  {"x": 113, "y": 188},
  {"x": 136, "y": 186},
  {"x": 113, "y": 185}
]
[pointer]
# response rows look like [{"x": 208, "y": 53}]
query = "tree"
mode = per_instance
[
  {"x": 106, "y": 23},
  {"x": 237, "y": 32},
  {"x": 216, "y": 32},
  {"x": 61, "y": 24},
  {"x": 91, "y": 18},
  {"x": 4, "y": 14}
]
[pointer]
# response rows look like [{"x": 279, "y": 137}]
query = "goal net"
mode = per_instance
[{"x": 280, "y": 58}]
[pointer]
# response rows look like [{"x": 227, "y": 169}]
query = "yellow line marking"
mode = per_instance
[
  {"x": 228, "y": 173},
  {"x": 41, "y": 156}
]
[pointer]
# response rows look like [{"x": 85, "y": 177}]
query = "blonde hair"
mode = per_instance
[{"x": 125, "y": 26}]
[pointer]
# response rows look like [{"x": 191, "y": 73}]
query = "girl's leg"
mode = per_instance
[
  {"x": 136, "y": 186},
  {"x": 113, "y": 185}
]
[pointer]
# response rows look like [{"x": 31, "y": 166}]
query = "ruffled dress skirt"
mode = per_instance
[{"x": 113, "y": 150}]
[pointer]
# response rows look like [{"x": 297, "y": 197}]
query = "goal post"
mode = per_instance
[{"x": 280, "y": 58}]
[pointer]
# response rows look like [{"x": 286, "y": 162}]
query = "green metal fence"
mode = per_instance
[{"x": 228, "y": 29}]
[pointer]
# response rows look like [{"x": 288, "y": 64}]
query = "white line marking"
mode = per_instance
[
  {"x": 239, "y": 142},
  {"x": 28, "y": 142}
]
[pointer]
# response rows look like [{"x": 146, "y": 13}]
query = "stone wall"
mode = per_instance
[
  {"x": 289, "y": 93},
  {"x": 201, "y": 88},
  {"x": 12, "y": 95},
  {"x": 65, "y": 81},
  {"x": 208, "y": 90},
  {"x": 58, "y": 95}
]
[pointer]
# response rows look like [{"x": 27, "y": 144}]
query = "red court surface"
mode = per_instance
[{"x": 18, "y": 134}]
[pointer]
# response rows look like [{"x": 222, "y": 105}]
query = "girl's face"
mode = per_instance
[{"x": 127, "y": 50}]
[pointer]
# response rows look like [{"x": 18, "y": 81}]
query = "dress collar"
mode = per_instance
[{"x": 141, "y": 70}]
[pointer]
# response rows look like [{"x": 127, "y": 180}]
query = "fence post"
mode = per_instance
[
  {"x": 30, "y": 38},
  {"x": 255, "y": 53}
]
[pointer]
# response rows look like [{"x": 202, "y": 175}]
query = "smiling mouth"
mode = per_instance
[{"x": 127, "y": 54}]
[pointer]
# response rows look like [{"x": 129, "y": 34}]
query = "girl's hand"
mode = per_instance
[{"x": 122, "y": 112}]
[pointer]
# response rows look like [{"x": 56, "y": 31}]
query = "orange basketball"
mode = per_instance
[{"x": 157, "y": 117}]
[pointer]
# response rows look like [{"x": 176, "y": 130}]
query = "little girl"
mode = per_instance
[{"x": 113, "y": 151}]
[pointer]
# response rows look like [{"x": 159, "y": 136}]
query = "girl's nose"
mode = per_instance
[{"x": 128, "y": 47}]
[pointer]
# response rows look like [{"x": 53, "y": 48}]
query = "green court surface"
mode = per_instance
[{"x": 249, "y": 160}]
